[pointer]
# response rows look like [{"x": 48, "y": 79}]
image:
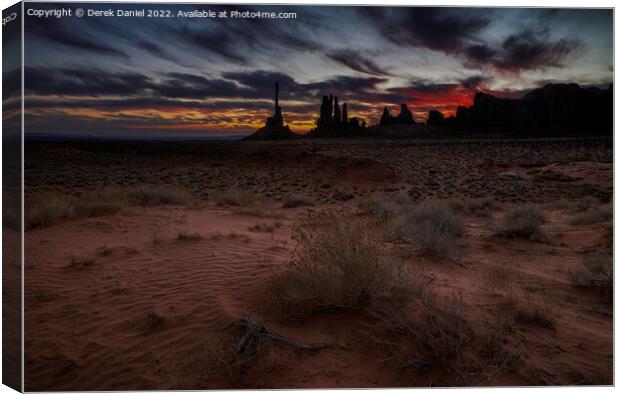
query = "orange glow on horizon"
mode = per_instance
[{"x": 231, "y": 120}]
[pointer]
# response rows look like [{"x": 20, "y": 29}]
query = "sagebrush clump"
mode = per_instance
[
  {"x": 598, "y": 272},
  {"x": 522, "y": 222},
  {"x": 435, "y": 227},
  {"x": 338, "y": 266},
  {"x": 47, "y": 208}
]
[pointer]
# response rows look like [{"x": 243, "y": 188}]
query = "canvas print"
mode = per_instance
[{"x": 260, "y": 196}]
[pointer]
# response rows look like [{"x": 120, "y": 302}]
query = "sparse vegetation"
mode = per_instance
[
  {"x": 381, "y": 209},
  {"x": 550, "y": 176},
  {"x": 540, "y": 314},
  {"x": 298, "y": 200},
  {"x": 148, "y": 195},
  {"x": 481, "y": 207},
  {"x": 338, "y": 267},
  {"x": 601, "y": 214},
  {"x": 431, "y": 333},
  {"x": 265, "y": 227},
  {"x": 81, "y": 261},
  {"x": 598, "y": 272},
  {"x": 153, "y": 321},
  {"x": 235, "y": 197},
  {"x": 104, "y": 251},
  {"x": 44, "y": 209},
  {"x": 189, "y": 236},
  {"x": 434, "y": 227},
  {"x": 47, "y": 208},
  {"x": 521, "y": 222}
]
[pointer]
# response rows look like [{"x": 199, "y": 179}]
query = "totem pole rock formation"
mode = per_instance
[
  {"x": 274, "y": 126},
  {"x": 335, "y": 122}
]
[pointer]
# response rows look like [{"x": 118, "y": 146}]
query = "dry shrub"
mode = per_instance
[
  {"x": 189, "y": 236},
  {"x": 154, "y": 321},
  {"x": 47, "y": 208},
  {"x": 580, "y": 205},
  {"x": 429, "y": 333},
  {"x": 104, "y": 251},
  {"x": 266, "y": 228},
  {"x": 434, "y": 227},
  {"x": 598, "y": 272},
  {"x": 81, "y": 261},
  {"x": 480, "y": 207},
  {"x": 148, "y": 195},
  {"x": 380, "y": 209},
  {"x": 298, "y": 201},
  {"x": 522, "y": 222},
  {"x": 433, "y": 334},
  {"x": 540, "y": 314},
  {"x": 601, "y": 214},
  {"x": 235, "y": 197},
  {"x": 216, "y": 361},
  {"x": 338, "y": 266},
  {"x": 217, "y": 365},
  {"x": 106, "y": 202},
  {"x": 44, "y": 209}
]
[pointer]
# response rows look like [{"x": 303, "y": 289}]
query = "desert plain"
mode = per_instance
[{"x": 335, "y": 263}]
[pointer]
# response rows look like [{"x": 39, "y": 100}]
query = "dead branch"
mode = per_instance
[{"x": 254, "y": 331}]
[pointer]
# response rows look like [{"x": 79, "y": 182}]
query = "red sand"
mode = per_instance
[{"x": 89, "y": 328}]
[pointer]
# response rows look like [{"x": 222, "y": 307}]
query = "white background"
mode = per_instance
[{"x": 487, "y": 3}]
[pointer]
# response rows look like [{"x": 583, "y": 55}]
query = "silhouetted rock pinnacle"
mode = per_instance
[
  {"x": 335, "y": 122},
  {"x": 404, "y": 117},
  {"x": 435, "y": 118},
  {"x": 274, "y": 126}
]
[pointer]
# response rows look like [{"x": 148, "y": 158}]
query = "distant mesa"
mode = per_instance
[
  {"x": 553, "y": 109},
  {"x": 334, "y": 122},
  {"x": 404, "y": 117},
  {"x": 274, "y": 126},
  {"x": 435, "y": 118}
]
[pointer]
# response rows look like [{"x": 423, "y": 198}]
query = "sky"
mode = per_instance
[{"x": 132, "y": 76}]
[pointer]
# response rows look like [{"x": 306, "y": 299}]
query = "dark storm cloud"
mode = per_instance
[
  {"x": 149, "y": 103},
  {"x": 347, "y": 84},
  {"x": 81, "y": 82},
  {"x": 180, "y": 85},
  {"x": 121, "y": 32},
  {"x": 474, "y": 82},
  {"x": 479, "y": 53},
  {"x": 55, "y": 30},
  {"x": 440, "y": 29},
  {"x": 533, "y": 50},
  {"x": 46, "y": 81},
  {"x": 432, "y": 88},
  {"x": 357, "y": 61},
  {"x": 219, "y": 42},
  {"x": 154, "y": 49},
  {"x": 526, "y": 50},
  {"x": 457, "y": 34},
  {"x": 165, "y": 90},
  {"x": 261, "y": 82}
]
